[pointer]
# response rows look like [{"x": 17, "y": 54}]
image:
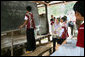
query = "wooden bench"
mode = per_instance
[
  {"x": 40, "y": 51},
  {"x": 43, "y": 37},
  {"x": 15, "y": 41}
]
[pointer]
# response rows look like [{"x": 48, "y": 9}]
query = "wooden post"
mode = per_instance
[
  {"x": 12, "y": 43},
  {"x": 47, "y": 18},
  {"x": 40, "y": 42},
  {"x": 48, "y": 38}
]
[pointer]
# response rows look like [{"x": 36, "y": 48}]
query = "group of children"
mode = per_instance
[{"x": 59, "y": 31}]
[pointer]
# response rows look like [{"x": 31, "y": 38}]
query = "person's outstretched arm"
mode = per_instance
[{"x": 25, "y": 23}]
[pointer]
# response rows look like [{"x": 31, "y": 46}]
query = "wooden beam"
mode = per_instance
[
  {"x": 47, "y": 18},
  {"x": 41, "y": 2},
  {"x": 58, "y": 3}
]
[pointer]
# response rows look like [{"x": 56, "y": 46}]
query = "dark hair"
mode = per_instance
[
  {"x": 51, "y": 15},
  {"x": 79, "y": 7},
  {"x": 29, "y": 8},
  {"x": 54, "y": 17},
  {"x": 64, "y": 18},
  {"x": 51, "y": 19},
  {"x": 58, "y": 19}
]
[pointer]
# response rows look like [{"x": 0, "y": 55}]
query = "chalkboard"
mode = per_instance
[{"x": 13, "y": 13}]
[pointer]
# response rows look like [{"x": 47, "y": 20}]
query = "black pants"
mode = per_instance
[
  {"x": 31, "y": 43},
  {"x": 59, "y": 41},
  {"x": 72, "y": 27},
  {"x": 54, "y": 43}
]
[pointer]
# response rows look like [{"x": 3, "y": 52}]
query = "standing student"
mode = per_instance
[
  {"x": 63, "y": 32},
  {"x": 52, "y": 17},
  {"x": 52, "y": 22},
  {"x": 71, "y": 25},
  {"x": 56, "y": 32},
  {"x": 79, "y": 13},
  {"x": 65, "y": 27},
  {"x": 29, "y": 22}
]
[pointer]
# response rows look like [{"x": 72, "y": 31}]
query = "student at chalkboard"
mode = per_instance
[{"x": 29, "y": 22}]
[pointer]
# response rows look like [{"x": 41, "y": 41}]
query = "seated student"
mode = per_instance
[{"x": 63, "y": 33}]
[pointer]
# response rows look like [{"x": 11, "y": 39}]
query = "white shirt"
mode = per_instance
[
  {"x": 26, "y": 18},
  {"x": 59, "y": 30}
]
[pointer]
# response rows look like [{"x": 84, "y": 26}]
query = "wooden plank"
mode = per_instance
[
  {"x": 19, "y": 38},
  {"x": 39, "y": 51},
  {"x": 41, "y": 2}
]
